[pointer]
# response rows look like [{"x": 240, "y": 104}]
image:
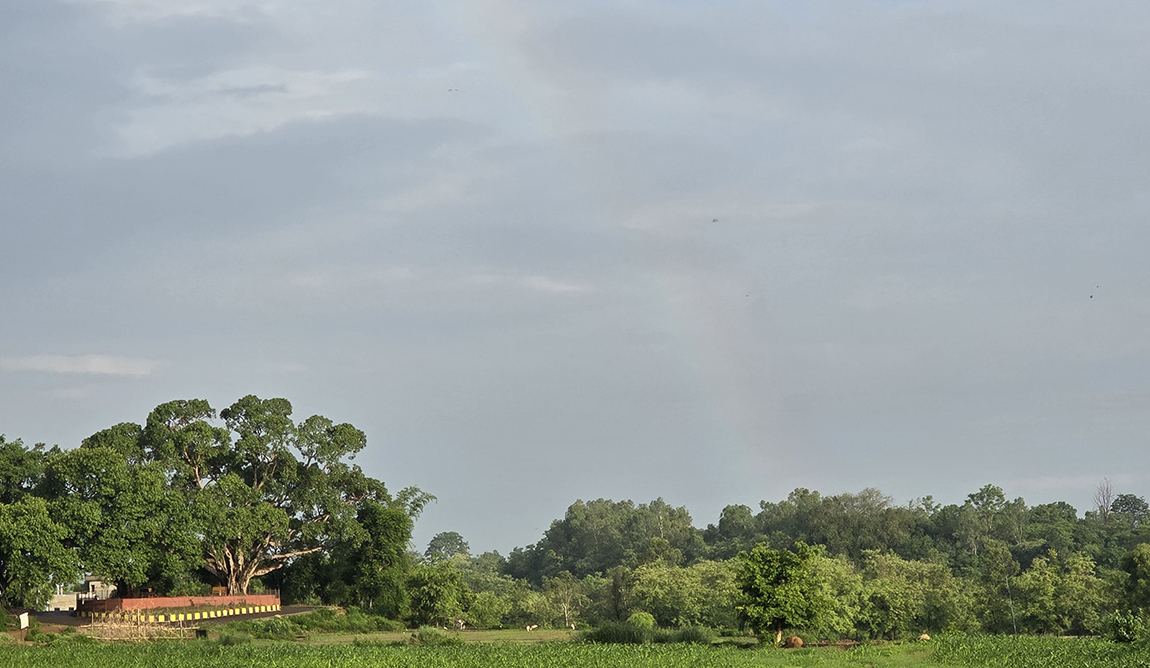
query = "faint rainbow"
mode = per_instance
[{"x": 707, "y": 317}]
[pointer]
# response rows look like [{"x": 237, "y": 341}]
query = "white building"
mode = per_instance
[{"x": 94, "y": 589}]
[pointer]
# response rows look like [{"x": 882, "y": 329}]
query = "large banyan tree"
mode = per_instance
[{"x": 238, "y": 494}]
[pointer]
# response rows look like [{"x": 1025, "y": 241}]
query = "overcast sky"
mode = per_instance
[{"x": 550, "y": 250}]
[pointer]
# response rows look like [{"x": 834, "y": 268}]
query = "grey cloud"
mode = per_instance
[
  {"x": 731, "y": 248},
  {"x": 83, "y": 364}
]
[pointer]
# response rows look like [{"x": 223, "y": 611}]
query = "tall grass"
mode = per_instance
[{"x": 626, "y": 633}]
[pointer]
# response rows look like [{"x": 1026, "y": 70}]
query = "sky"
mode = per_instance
[{"x": 546, "y": 251}]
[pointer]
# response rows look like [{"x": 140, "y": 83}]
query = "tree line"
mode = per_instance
[
  {"x": 870, "y": 568},
  {"x": 249, "y": 498}
]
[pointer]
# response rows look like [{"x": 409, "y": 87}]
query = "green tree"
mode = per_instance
[
  {"x": 843, "y": 586},
  {"x": 596, "y": 536},
  {"x": 151, "y": 504},
  {"x": 903, "y": 598},
  {"x": 1083, "y": 597},
  {"x": 438, "y": 594},
  {"x": 735, "y": 532},
  {"x": 995, "y": 606},
  {"x": 21, "y": 469},
  {"x": 1038, "y": 597},
  {"x": 779, "y": 590},
  {"x": 1051, "y": 527},
  {"x": 1054, "y": 599},
  {"x": 1132, "y": 509},
  {"x": 378, "y": 559},
  {"x": 279, "y": 491},
  {"x": 126, "y": 522},
  {"x": 703, "y": 594},
  {"x": 1136, "y": 564},
  {"x": 565, "y": 595},
  {"x": 445, "y": 545},
  {"x": 487, "y": 610},
  {"x": 32, "y": 553}
]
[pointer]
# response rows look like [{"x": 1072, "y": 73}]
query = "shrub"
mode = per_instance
[
  {"x": 339, "y": 621},
  {"x": 1126, "y": 627},
  {"x": 614, "y": 633},
  {"x": 642, "y": 620},
  {"x": 385, "y": 624},
  {"x": 429, "y": 635},
  {"x": 35, "y": 635},
  {"x": 278, "y": 628},
  {"x": 695, "y": 634}
]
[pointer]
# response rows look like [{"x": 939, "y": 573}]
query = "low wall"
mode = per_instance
[
  {"x": 140, "y": 616},
  {"x": 124, "y": 604}
]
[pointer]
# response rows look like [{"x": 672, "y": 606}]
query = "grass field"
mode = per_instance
[
  {"x": 207, "y": 654},
  {"x": 954, "y": 651}
]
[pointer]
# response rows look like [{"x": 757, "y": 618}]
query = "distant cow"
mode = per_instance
[{"x": 532, "y": 627}]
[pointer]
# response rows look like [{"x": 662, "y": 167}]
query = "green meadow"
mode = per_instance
[{"x": 958, "y": 650}]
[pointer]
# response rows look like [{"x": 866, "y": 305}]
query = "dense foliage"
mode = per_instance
[
  {"x": 875, "y": 570},
  {"x": 184, "y": 502},
  {"x": 249, "y": 498}
]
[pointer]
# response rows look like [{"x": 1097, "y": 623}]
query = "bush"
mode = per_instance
[
  {"x": 614, "y": 633},
  {"x": 37, "y": 636},
  {"x": 339, "y": 621},
  {"x": 1126, "y": 627},
  {"x": 278, "y": 628},
  {"x": 696, "y": 635},
  {"x": 642, "y": 620},
  {"x": 429, "y": 635},
  {"x": 385, "y": 624}
]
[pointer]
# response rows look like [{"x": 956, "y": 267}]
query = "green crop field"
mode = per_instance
[
  {"x": 550, "y": 655},
  {"x": 1038, "y": 652},
  {"x": 991, "y": 652}
]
